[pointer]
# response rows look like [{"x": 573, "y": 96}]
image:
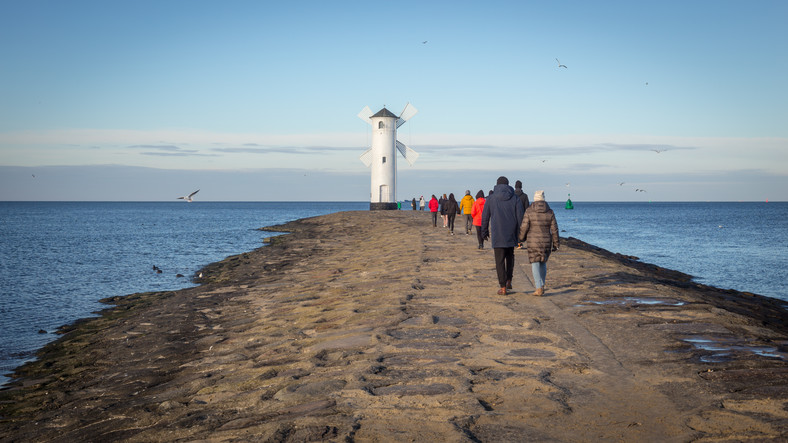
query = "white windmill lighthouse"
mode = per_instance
[{"x": 381, "y": 158}]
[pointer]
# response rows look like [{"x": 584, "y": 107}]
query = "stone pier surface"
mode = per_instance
[{"x": 375, "y": 326}]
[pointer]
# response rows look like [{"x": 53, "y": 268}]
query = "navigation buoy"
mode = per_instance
[{"x": 569, "y": 204}]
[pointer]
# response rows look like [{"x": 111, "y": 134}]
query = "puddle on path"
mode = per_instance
[
  {"x": 634, "y": 301},
  {"x": 720, "y": 349}
]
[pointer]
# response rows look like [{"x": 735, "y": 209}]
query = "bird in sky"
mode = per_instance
[
  {"x": 621, "y": 184},
  {"x": 424, "y": 42},
  {"x": 560, "y": 65},
  {"x": 189, "y": 198},
  {"x": 640, "y": 190},
  {"x": 657, "y": 150}
]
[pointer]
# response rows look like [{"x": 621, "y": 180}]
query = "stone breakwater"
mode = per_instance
[{"x": 375, "y": 326}]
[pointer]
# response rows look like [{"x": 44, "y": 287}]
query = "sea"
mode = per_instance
[{"x": 58, "y": 259}]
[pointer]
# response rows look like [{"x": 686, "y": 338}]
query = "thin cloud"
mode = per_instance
[
  {"x": 646, "y": 147},
  {"x": 539, "y": 151},
  {"x": 284, "y": 149},
  {"x": 170, "y": 151},
  {"x": 179, "y": 154},
  {"x": 167, "y": 148}
]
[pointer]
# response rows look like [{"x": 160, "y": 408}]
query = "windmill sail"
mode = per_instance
[
  {"x": 409, "y": 154},
  {"x": 366, "y": 157},
  {"x": 406, "y": 114},
  {"x": 365, "y": 114}
]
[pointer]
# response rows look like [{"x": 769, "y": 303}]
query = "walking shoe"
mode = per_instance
[
  {"x": 508, "y": 284},
  {"x": 539, "y": 292},
  {"x": 502, "y": 291}
]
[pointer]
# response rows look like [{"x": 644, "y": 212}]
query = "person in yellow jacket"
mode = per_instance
[{"x": 466, "y": 204}]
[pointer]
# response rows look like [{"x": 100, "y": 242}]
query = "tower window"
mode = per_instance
[
  {"x": 384, "y": 159},
  {"x": 381, "y": 125}
]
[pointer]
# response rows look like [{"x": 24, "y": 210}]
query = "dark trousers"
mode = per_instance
[
  {"x": 479, "y": 235},
  {"x": 451, "y": 221},
  {"x": 468, "y": 223},
  {"x": 504, "y": 264},
  {"x": 434, "y": 219}
]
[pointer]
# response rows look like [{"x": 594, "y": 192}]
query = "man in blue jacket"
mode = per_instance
[{"x": 501, "y": 218}]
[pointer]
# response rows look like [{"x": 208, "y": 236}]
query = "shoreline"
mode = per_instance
[{"x": 318, "y": 337}]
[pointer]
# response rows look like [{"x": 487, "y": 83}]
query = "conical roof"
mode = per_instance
[{"x": 384, "y": 113}]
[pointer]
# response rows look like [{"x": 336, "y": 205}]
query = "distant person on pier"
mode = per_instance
[
  {"x": 452, "y": 209},
  {"x": 501, "y": 218},
  {"x": 442, "y": 203},
  {"x": 434, "y": 210},
  {"x": 539, "y": 231},
  {"x": 476, "y": 213},
  {"x": 413, "y": 203},
  {"x": 421, "y": 203},
  {"x": 466, "y": 205},
  {"x": 518, "y": 191}
]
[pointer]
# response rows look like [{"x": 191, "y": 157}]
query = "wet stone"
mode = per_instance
[
  {"x": 423, "y": 334},
  {"x": 409, "y": 390},
  {"x": 532, "y": 353},
  {"x": 516, "y": 338}
]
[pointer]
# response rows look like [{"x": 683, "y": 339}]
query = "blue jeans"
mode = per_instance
[{"x": 539, "y": 269}]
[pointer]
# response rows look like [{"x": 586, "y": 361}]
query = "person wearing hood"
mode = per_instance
[
  {"x": 452, "y": 209},
  {"x": 518, "y": 191},
  {"x": 434, "y": 210},
  {"x": 476, "y": 212},
  {"x": 539, "y": 231},
  {"x": 501, "y": 219},
  {"x": 466, "y": 205}
]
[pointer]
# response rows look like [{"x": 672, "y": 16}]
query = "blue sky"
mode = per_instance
[{"x": 253, "y": 100}]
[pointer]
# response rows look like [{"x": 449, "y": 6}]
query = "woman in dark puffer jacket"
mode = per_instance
[{"x": 539, "y": 231}]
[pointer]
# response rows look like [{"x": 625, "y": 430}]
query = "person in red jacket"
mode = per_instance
[
  {"x": 476, "y": 213},
  {"x": 433, "y": 204}
]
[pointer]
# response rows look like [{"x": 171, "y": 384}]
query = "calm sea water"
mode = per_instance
[
  {"x": 742, "y": 246},
  {"x": 58, "y": 259}
]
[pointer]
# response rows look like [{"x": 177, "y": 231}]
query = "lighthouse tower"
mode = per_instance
[{"x": 381, "y": 157}]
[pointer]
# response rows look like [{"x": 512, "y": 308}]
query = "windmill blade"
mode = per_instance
[
  {"x": 409, "y": 154},
  {"x": 406, "y": 114},
  {"x": 366, "y": 157},
  {"x": 365, "y": 114}
]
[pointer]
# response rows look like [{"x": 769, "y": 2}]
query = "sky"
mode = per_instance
[{"x": 258, "y": 100}]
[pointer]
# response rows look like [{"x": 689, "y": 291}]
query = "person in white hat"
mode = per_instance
[{"x": 539, "y": 231}]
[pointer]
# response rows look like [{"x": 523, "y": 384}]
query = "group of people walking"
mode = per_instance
[
  {"x": 507, "y": 219},
  {"x": 449, "y": 208}
]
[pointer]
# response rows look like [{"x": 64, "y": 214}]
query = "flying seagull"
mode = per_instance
[
  {"x": 560, "y": 65},
  {"x": 189, "y": 198},
  {"x": 657, "y": 150}
]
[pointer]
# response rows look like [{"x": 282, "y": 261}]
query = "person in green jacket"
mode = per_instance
[{"x": 466, "y": 205}]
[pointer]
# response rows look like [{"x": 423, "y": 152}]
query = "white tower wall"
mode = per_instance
[
  {"x": 381, "y": 157},
  {"x": 384, "y": 162}
]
